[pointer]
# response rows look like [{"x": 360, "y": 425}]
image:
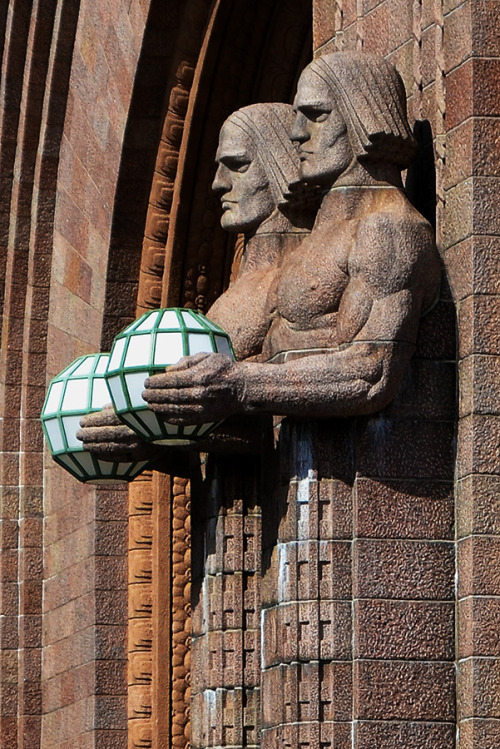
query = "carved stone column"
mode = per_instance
[
  {"x": 140, "y": 610},
  {"x": 226, "y": 600},
  {"x": 307, "y": 598}
]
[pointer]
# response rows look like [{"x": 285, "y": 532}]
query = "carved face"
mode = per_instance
[
  {"x": 320, "y": 131},
  {"x": 241, "y": 181}
]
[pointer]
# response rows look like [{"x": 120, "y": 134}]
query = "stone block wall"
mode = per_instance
[
  {"x": 447, "y": 53},
  {"x": 403, "y": 504}
]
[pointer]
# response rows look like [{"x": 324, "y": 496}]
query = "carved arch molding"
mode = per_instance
[{"x": 228, "y": 53}]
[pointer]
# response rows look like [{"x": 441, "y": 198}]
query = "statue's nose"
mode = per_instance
[
  {"x": 221, "y": 183},
  {"x": 299, "y": 132}
]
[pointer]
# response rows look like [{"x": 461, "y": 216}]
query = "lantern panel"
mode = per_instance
[
  {"x": 102, "y": 365},
  {"x": 54, "y": 435},
  {"x": 138, "y": 351},
  {"x": 85, "y": 368},
  {"x": 71, "y": 424},
  {"x": 200, "y": 343},
  {"x": 135, "y": 424},
  {"x": 148, "y": 323},
  {"x": 116, "y": 391},
  {"x": 100, "y": 393},
  {"x": 169, "y": 320},
  {"x": 190, "y": 321},
  {"x": 116, "y": 354},
  {"x": 66, "y": 461},
  {"x": 222, "y": 345},
  {"x": 149, "y": 421},
  {"x": 206, "y": 428},
  {"x": 123, "y": 468},
  {"x": 168, "y": 349},
  {"x": 76, "y": 393},
  {"x": 135, "y": 386},
  {"x": 54, "y": 397},
  {"x": 86, "y": 461}
]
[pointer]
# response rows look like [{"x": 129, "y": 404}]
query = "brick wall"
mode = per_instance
[
  {"x": 471, "y": 251},
  {"x": 85, "y": 578},
  {"x": 35, "y": 68}
]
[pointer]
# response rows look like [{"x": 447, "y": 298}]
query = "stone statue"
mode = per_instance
[
  {"x": 257, "y": 164},
  {"x": 324, "y": 325},
  {"x": 330, "y": 325}
]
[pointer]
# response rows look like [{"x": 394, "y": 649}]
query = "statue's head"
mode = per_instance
[
  {"x": 350, "y": 106},
  {"x": 257, "y": 163}
]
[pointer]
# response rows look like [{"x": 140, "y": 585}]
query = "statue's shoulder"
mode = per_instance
[
  {"x": 396, "y": 219},
  {"x": 394, "y": 243}
]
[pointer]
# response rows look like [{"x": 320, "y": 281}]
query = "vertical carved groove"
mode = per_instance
[
  {"x": 140, "y": 609},
  {"x": 181, "y": 612},
  {"x": 417, "y": 60},
  {"x": 160, "y": 202},
  {"x": 440, "y": 137}
]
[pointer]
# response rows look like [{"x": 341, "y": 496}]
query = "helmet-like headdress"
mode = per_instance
[
  {"x": 371, "y": 96},
  {"x": 269, "y": 126}
]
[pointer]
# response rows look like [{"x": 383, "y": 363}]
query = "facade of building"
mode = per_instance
[{"x": 109, "y": 119}]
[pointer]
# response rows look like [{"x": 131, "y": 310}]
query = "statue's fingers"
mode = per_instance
[
  {"x": 106, "y": 434},
  {"x": 105, "y": 417},
  {"x": 187, "y": 362},
  {"x": 190, "y": 371},
  {"x": 174, "y": 396},
  {"x": 189, "y": 413},
  {"x": 114, "y": 451}
]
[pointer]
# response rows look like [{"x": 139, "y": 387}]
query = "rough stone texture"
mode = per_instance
[
  {"x": 404, "y": 569},
  {"x": 405, "y": 630},
  {"x": 447, "y": 53},
  {"x": 393, "y": 734},
  {"x": 404, "y": 509}
]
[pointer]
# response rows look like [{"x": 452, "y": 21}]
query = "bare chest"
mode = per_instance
[{"x": 312, "y": 279}]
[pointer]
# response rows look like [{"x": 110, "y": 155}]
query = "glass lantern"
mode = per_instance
[
  {"x": 146, "y": 347},
  {"x": 78, "y": 390}
]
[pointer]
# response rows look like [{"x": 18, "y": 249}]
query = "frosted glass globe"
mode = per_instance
[
  {"x": 76, "y": 391},
  {"x": 146, "y": 347}
]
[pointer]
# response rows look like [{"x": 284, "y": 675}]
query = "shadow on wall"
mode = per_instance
[{"x": 421, "y": 176}]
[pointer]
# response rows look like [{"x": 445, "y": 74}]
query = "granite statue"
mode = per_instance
[
  {"x": 330, "y": 326},
  {"x": 257, "y": 165}
]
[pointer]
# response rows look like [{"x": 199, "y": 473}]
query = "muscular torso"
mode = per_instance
[{"x": 293, "y": 302}]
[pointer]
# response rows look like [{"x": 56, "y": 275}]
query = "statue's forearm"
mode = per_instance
[{"x": 357, "y": 380}]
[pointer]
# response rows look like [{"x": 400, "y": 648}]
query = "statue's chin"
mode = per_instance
[{"x": 243, "y": 225}]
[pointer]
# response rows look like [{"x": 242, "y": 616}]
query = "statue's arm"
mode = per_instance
[
  {"x": 393, "y": 273},
  {"x": 392, "y": 268}
]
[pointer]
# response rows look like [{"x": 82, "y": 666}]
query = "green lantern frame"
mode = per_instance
[
  {"x": 146, "y": 347},
  {"x": 80, "y": 389}
]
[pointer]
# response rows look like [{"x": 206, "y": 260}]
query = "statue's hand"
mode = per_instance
[
  {"x": 198, "y": 389},
  {"x": 103, "y": 434}
]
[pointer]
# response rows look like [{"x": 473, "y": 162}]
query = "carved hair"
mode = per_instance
[
  {"x": 269, "y": 127},
  {"x": 371, "y": 96}
]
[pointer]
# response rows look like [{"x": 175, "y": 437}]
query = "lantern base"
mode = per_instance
[
  {"x": 107, "y": 481},
  {"x": 173, "y": 442}
]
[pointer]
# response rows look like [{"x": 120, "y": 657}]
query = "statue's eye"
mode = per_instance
[
  {"x": 315, "y": 114},
  {"x": 235, "y": 164}
]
